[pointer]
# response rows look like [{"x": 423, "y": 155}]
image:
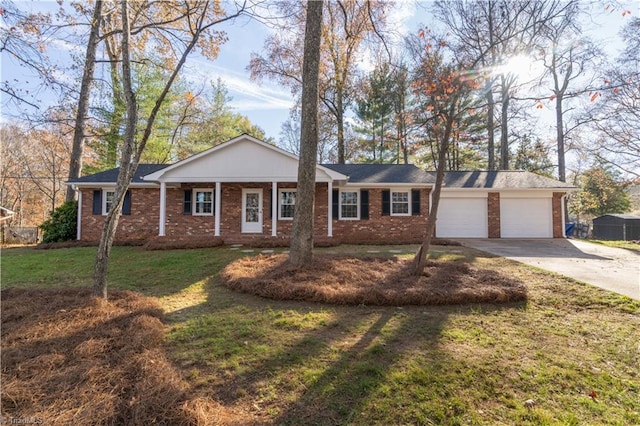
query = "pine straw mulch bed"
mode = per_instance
[
  {"x": 370, "y": 281},
  {"x": 68, "y": 358}
]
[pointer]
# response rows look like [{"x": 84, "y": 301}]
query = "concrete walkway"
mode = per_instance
[{"x": 613, "y": 269}]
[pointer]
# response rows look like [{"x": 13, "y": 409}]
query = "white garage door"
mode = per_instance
[
  {"x": 526, "y": 218},
  {"x": 462, "y": 218}
]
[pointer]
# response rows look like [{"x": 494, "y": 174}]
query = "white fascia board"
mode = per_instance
[
  {"x": 527, "y": 193},
  {"x": 323, "y": 174},
  {"x": 385, "y": 185},
  {"x": 80, "y": 185},
  {"x": 464, "y": 193},
  {"x": 181, "y": 180},
  {"x": 157, "y": 175},
  {"x": 335, "y": 176}
]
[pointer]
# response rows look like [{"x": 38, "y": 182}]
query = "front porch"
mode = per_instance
[{"x": 237, "y": 211}]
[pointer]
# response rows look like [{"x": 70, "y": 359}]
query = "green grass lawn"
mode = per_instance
[
  {"x": 618, "y": 244},
  {"x": 572, "y": 349}
]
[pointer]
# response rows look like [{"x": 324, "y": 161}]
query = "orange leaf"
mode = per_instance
[
  {"x": 616, "y": 90},
  {"x": 553, "y": 97},
  {"x": 594, "y": 96},
  {"x": 421, "y": 33}
]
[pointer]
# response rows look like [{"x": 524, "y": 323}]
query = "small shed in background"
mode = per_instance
[{"x": 622, "y": 227}]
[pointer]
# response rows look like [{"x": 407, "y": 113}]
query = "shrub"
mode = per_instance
[{"x": 62, "y": 224}]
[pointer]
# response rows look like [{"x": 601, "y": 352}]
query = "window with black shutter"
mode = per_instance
[
  {"x": 386, "y": 202},
  {"x": 97, "y": 201},
  {"x": 364, "y": 204},
  {"x": 187, "y": 202},
  {"x": 126, "y": 205},
  {"x": 415, "y": 202}
]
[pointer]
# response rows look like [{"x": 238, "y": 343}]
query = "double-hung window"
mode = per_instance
[
  {"x": 104, "y": 201},
  {"x": 400, "y": 203},
  {"x": 108, "y": 197},
  {"x": 203, "y": 202},
  {"x": 349, "y": 205},
  {"x": 287, "y": 203}
]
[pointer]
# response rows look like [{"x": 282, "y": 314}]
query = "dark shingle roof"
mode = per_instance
[
  {"x": 111, "y": 176},
  {"x": 512, "y": 179},
  {"x": 382, "y": 173},
  {"x": 619, "y": 216}
]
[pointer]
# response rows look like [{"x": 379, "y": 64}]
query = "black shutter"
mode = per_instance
[
  {"x": 386, "y": 202},
  {"x": 97, "y": 201},
  {"x": 271, "y": 206},
  {"x": 364, "y": 204},
  {"x": 335, "y": 204},
  {"x": 187, "y": 202},
  {"x": 126, "y": 205},
  {"x": 415, "y": 202}
]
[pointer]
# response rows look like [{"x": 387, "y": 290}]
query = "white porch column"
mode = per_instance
[
  {"x": 79, "y": 225},
  {"x": 274, "y": 209},
  {"x": 163, "y": 209},
  {"x": 330, "y": 209},
  {"x": 217, "y": 208}
]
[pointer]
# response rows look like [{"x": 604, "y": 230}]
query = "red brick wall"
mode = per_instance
[
  {"x": 493, "y": 209},
  {"x": 384, "y": 229},
  {"x": 143, "y": 221},
  {"x": 144, "y": 218},
  {"x": 140, "y": 225},
  {"x": 556, "y": 203}
]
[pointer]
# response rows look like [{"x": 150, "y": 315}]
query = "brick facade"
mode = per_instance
[
  {"x": 142, "y": 224},
  {"x": 493, "y": 212},
  {"x": 556, "y": 205},
  {"x": 143, "y": 221}
]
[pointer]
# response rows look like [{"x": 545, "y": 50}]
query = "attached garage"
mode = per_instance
[
  {"x": 462, "y": 217},
  {"x": 526, "y": 217},
  {"x": 501, "y": 204}
]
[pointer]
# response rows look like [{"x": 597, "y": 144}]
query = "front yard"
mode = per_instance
[{"x": 569, "y": 355}]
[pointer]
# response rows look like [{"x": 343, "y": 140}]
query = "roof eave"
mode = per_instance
[
  {"x": 389, "y": 184},
  {"x": 110, "y": 184}
]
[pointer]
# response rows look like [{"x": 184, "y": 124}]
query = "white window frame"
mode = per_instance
[
  {"x": 280, "y": 191},
  {"x": 357, "y": 191},
  {"x": 195, "y": 197},
  {"x": 106, "y": 191},
  {"x": 391, "y": 202}
]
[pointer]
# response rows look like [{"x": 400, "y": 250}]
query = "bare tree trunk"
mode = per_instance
[
  {"x": 301, "y": 252},
  {"x": 420, "y": 259},
  {"x": 132, "y": 148},
  {"x": 560, "y": 134},
  {"x": 75, "y": 164},
  {"x": 340, "y": 123},
  {"x": 491, "y": 145},
  {"x": 125, "y": 175},
  {"x": 504, "y": 127}
]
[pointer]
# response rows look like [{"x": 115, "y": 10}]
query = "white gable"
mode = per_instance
[{"x": 244, "y": 159}]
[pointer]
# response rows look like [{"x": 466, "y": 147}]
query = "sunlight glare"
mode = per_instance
[{"x": 520, "y": 66}]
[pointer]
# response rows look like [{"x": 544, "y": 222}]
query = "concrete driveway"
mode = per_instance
[{"x": 613, "y": 269}]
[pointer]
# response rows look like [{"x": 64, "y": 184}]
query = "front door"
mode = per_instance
[{"x": 252, "y": 210}]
